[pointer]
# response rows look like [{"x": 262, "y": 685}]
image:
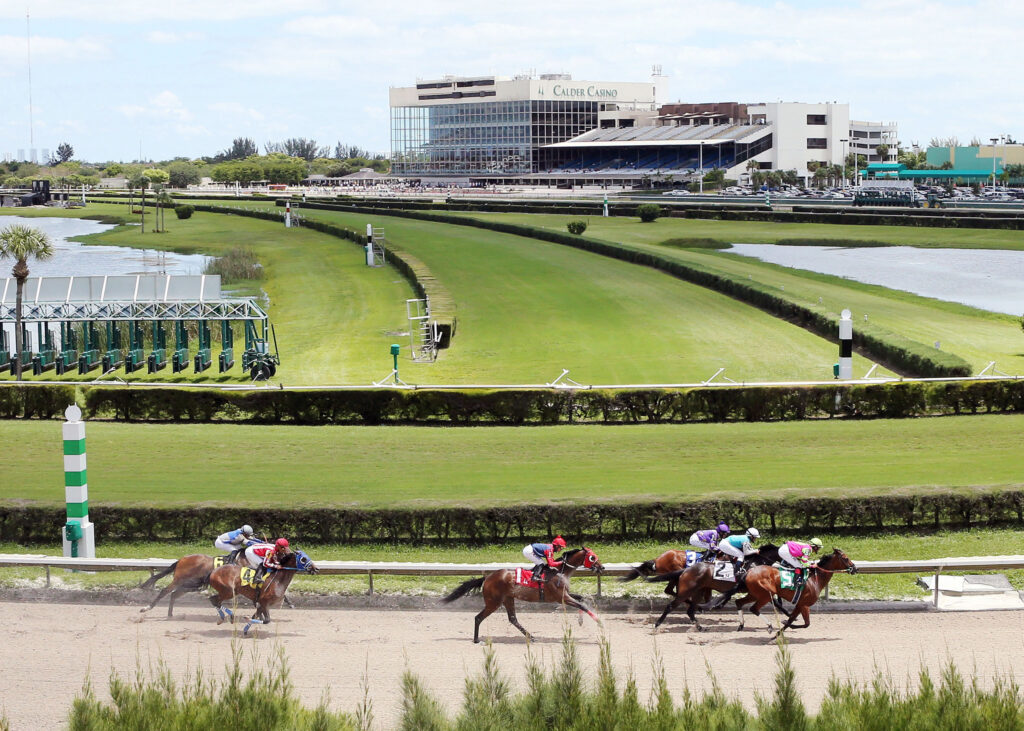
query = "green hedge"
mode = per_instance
[
  {"x": 517, "y": 406},
  {"x": 587, "y": 522},
  {"x": 889, "y": 348}
]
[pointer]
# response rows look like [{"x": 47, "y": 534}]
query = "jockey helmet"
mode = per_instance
[
  {"x": 246, "y": 530},
  {"x": 281, "y": 543},
  {"x": 753, "y": 534},
  {"x": 559, "y": 542},
  {"x": 723, "y": 528},
  {"x": 816, "y": 543}
]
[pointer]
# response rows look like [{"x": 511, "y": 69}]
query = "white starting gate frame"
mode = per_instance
[
  {"x": 377, "y": 248},
  {"x": 423, "y": 332}
]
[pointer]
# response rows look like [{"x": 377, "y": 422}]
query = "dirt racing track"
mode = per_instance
[{"x": 49, "y": 649}]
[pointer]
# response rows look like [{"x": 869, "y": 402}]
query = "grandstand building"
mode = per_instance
[{"x": 556, "y": 131}]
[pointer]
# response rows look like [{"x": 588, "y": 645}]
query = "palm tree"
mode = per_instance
[{"x": 21, "y": 243}]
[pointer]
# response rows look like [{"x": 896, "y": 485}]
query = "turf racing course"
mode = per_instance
[{"x": 332, "y": 649}]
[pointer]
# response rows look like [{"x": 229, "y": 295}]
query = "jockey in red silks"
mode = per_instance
[
  {"x": 542, "y": 556},
  {"x": 267, "y": 556}
]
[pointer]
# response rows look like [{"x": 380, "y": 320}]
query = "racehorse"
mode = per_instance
[
  {"x": 763, "y": 586},
  {"x": 675, "y": 560},
  {"x": 500, "y": 588},
  {"x": 191, "y": 573},
  {"x": 693, "y": 586},
  {"x": 227, "y": 582}
]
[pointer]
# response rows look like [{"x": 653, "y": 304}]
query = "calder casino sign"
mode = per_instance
[{"x": 580, "y": 92}]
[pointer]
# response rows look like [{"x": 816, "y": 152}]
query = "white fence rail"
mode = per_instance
[{"x": 383, "y": 568}]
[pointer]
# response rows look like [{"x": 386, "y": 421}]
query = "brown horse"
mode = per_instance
[
  {"x": 666, "y": 563},
  {"x": 500, "y": 588},
  {"x": 227, "y": 582},
  {"x": 191, "y": 573},
  {"x": 693, "y": 586},
  {"x": 763, "y": 586}
]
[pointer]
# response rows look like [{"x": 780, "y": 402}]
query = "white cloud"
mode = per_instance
[
  {"x": 49, "y": 50},
  {"x": 237, "y": 111},
  {"x": 132, "y": 12},
  {"x": 334, "y": 26},
  {"x": 160, "y": 36},
  {"x": 165, "y": 106}
]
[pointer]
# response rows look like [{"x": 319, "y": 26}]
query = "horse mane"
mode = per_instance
[
  {"x": 827, "y": 559},
  {"x": 570, "y": 552}
]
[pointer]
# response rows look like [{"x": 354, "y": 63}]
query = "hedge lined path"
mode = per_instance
[
  {"x": 529, "y": 308},
  {"x": 977, "y": 335},
  {"x": 334, "y": 316},
  {"x": 411, "y": 467}
]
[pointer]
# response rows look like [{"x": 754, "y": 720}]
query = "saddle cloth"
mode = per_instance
[
  {"x": 524, "y": 577},
  {"x": 218, "y": 561},
  {"x": 692, "y": 557},
  {"x": 724, "y": 571},
  {"x": 787, "y": 576},
  {"x": 251, "y": 578}
]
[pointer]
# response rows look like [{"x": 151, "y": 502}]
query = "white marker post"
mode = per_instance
[
  {"x": 369, "y": 244},
  {"x": 845, "y": 346},
  {"x": 605, "y": 214},
  {"x": 288, "y": 214},
  {"x": 77, "y": 532}
]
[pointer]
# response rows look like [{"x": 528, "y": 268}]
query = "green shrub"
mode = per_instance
[
  {"x": 696, "y": 243},
  {"x": 576, "y": 227},
  {"x": 184, "y": 211},
  {"x": 648, "y": 212},
  {"x": 237, "y": 264}
]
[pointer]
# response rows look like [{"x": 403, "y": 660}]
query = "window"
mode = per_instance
[
  {"x": 816, "y": 119},
  {"x": 817, "y": 143},
  {"x": 876, "y": 135}
]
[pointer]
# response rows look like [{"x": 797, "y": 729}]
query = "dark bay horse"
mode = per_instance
[
  {"x": 763, "y": 586},
  {"x": 693, "y": 586},
  {"x": 191, "y": 573},
  {"x": 227, "y": 582},
  {"x": 671, "y": 560},
  {"x": 500, "y": 588}
]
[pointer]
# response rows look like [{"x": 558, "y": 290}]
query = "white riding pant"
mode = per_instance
[
  {"x": 696, "y": 542},
  {"x": 730, "y": 550},
  {"x": 533, "y": 557},
  {"x": 224, "y": 546},
  {"x": 789, "y": 558},
  {"x": 254, "y": 561}
]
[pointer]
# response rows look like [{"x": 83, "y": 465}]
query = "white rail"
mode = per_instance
[{"x": 386, "y": 568}]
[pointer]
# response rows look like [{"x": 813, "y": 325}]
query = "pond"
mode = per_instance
[
  {"x": 989, "y": 279},
  {"x": 75, "y": 259}
]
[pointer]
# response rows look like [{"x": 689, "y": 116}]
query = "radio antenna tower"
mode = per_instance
[{"x": 28, "y": 48}]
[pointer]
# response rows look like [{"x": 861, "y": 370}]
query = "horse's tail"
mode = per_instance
[
  {"x": 636, "y": 572},
  {"x": 151, "y": 581},
  {"x": 670, "y": 576},
  {"x": 464, "y": 588}
]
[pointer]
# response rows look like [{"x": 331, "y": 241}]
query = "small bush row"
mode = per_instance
[
  {"x": 891, "y": 349},
  {"x": 514, "y": 407},
  {"x": 578, "y": 522}
]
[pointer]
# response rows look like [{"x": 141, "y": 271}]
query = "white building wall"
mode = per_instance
[
  {"x": 790, "y": 149},
  {"x": 865, "y": 137}
]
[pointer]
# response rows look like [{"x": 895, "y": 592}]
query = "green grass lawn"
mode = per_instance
[
  {"x": 230, "y": 464},
  {"x": 869, "y": 547},
  {"x": 527, "y": 309},
  {"x": 334, "y": 317},
  {"x": 976, "y": 335}
]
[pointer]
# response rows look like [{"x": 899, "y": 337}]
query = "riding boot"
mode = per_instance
[{"x": 538, "y": 573}]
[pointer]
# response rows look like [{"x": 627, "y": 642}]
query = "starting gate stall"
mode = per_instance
[
  {"x": 68, "y": 357},
  {"x": 26, "y": 354},
  {"x": 179, "y": 359},
  {"x": 135, "y": 358},
  {"x": 46, "y": 358},
  {"x": 113, "y": 358},
  {"x": 203, "y": 360},
  {"x": 72, "y": 308},
  {"x": 226, "y": 359},
  {"x": 89, "y": 359}
]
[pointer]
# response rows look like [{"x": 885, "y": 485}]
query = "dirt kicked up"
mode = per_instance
[{"x": 49, "y": 649}]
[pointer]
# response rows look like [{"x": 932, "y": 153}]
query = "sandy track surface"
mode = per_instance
[{"x": 48, "y": 649}]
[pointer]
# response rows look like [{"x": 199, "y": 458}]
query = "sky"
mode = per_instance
[{"x": 184, "y": 77}]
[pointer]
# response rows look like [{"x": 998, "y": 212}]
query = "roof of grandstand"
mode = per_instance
[{"x": 662, "y": 135}]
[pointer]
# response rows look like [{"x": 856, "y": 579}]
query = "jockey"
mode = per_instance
[
  {"x": 542, "y": 555},
  {"x": 266, "y": 556},
  {"x": 738, "y": 547},
  {"x": 708, "y": 540},
  {"x": 234, "y": 540},
  {"x": 798, "y": 555}
]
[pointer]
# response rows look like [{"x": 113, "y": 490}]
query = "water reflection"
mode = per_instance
[{"x": 989, "y": 279}]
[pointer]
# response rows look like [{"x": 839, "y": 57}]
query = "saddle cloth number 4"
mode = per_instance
[
  {"x": 251, "y": 578},
  {"x": 724, "y": 571}
]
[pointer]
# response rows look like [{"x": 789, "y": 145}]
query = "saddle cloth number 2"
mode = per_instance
[{"x": 724, "y": 571}]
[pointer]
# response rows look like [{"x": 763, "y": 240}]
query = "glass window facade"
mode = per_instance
[{"x": 483, "y": 138}]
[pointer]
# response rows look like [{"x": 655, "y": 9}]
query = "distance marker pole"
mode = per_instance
[
  {"x": 77, "y": 533},
  {"x": 288, "y": 214},
  {"x": 845, "y": 346},
  {"x": 369, "y": 244}
]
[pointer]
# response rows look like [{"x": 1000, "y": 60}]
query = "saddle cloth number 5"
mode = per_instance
[{"x": 724, "y": 571}]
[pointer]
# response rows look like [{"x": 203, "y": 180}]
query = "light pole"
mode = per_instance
[
  {"x": 994, "y": 141},
  {"x": 701, "y": 166},
  {"x": 845, "y": 142}
]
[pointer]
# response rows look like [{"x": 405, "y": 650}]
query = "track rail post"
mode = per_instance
[{"x": 369, "y": 575}]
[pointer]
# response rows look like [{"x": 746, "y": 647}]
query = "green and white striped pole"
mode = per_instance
[{"x": 77, "y": 532}]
